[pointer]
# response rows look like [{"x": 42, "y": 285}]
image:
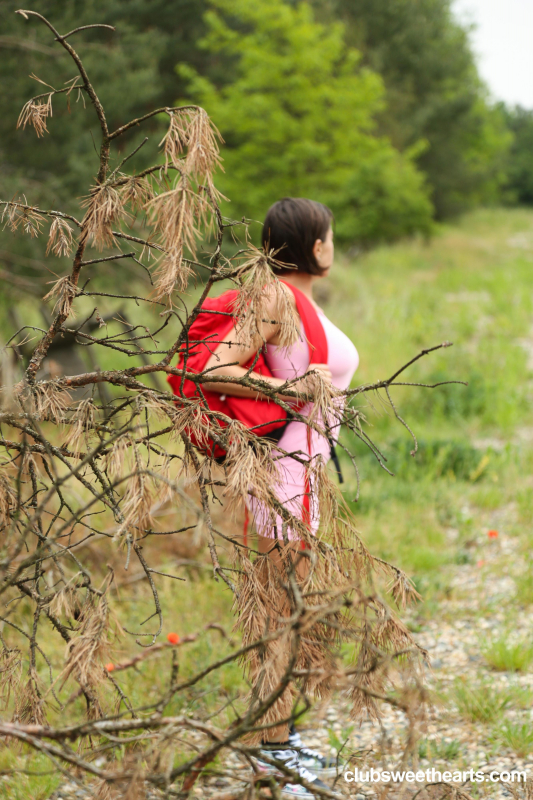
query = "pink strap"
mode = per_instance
[{"x": 318, "y": 354}]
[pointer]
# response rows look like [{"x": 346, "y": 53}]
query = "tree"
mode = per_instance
[
  {"x": 434, "y": 94},
  {"x": 519, "y": 183},
  {"x": 134, "y": 67},
  {"x": 434, "y": 108},
  {"x": 298, "y": 116}
]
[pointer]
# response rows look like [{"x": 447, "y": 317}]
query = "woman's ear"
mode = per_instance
[{"x": 317, "y": 250}]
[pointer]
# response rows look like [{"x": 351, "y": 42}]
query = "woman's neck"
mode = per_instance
[{"x": 302, "y": 281}]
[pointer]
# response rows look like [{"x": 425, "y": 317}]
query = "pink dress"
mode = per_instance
[{"x": 343, "y": 361}]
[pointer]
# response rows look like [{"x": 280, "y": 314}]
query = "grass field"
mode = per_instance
[{"x": 471, "y": 285}]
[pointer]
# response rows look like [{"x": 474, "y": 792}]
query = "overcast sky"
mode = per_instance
[{"x": 503, "y": 43}]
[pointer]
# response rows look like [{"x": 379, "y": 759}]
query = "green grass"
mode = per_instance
[
  {"x": 483, "y": 702},
  {"x": 518, "y": 736},
  {"x": 26, "y": 774},
  {"x": 187, "y": 609},
  {"x": 504, "y": 656},
  {"x": 468, "y": 286},
  {"x": 524, "y": 586},
  {"x": 464, "y": 288},
  {"x": 183, "y": 614},
  {"x": 439, "y": 748}
]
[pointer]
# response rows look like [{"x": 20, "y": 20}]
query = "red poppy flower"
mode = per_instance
[{"x": 493, "y": 534}]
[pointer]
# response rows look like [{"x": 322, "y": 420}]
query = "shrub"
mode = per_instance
[{"x": 298, "y": 117}]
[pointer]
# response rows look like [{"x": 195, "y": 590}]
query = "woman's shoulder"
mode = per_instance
[
  {"x": 274, "y": 292},
  {"x": 280, "y": 314}
]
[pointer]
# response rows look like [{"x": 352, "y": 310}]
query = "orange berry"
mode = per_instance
[
  {"x": 110, "y": 667},
  {"x": 173, "y": 638}
]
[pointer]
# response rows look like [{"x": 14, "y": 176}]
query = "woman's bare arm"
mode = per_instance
[{"x": 233, "y": 349}]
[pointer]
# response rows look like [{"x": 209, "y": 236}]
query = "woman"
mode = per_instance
[{"x": 300, "y": 232}]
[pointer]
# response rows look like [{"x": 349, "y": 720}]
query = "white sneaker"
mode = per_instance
[
  {"x": 290, "y": 759},
  {"x": 322, "y": 766}
]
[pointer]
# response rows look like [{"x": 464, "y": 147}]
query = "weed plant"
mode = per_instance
[
  {"x": 484, "y": 702},
  {"x": 505, "y": 656},
  {"x": 446, "y": 749},
  {"x": 518, "y": 736}
]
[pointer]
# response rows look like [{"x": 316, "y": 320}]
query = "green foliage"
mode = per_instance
[
  {"x": 305, "y": 102},
  {"x": 63, "y": 162},
  {"x": 132, "y": 70},
  {"x": 298, "y": 118},
  {"x": 520, "y": 160},
  {"x": 434, "y": 94}
]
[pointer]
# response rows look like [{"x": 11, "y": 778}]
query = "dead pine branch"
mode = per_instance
[{"x": 86, "y": 475}]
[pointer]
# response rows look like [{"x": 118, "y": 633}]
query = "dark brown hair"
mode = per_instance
[{"x": 292, "y": 226}]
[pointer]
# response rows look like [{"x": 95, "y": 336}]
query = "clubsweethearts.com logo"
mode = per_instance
[{"x": 433, "y": 776}]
